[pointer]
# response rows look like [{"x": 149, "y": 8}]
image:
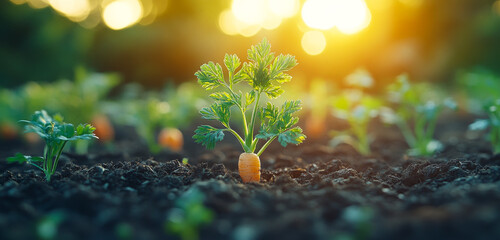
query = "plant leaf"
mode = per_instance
[
  {"x": 282, "y": 63},
  {"x": 19, "y": 158},
  {"x": 210, "y": 76},
  {"x": 208, "y": 136},
  {"x": 274, "y": 92},
  {"x": 292, "y": 136},
  {"x": 225, "y": 98},
  {"x": 250, "y": 98},
  {"x": 216, "y": 111},
  {"x": 232, "y": 62}
]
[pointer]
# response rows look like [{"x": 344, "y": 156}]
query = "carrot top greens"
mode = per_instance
[{"x": 265, "y": 74}]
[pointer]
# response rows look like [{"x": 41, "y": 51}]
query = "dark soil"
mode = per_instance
[{"x": 308, "y": 192}]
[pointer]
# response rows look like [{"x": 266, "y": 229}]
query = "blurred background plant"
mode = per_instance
[
  {"x": 189, "y": 215},
  {"x": 158, "y": 115},
  {"x": 415, "y": 110},
  {"x": 157, "y": 43}
]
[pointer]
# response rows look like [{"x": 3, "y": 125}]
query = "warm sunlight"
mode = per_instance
[
  {"x": 318, "y": 14},
  {"x": 249, "y": 11},
  {"x": 284, "y": 8},
  {"x": 122, "y": 13},
  {"x": 313, "y": 42},
  {"x": 351, "y": 16},
  {"x": 76, "y": 10}
]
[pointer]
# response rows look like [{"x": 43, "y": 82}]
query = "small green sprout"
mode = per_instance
[
  {"x": 493, "y": 121},
  {"x": 56, "y": 135},
  {"x": 47, "y": 228},
  {"x": 357, "y": 109},
  {"x": 189, "y": 215},
  {"x": 265, "y": 74},
  {"x": 416, "y": 115}
]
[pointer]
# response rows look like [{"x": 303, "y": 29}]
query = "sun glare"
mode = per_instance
[
  {"x": 122, "y": 13},
  {"x": 317, "y": 14},
  {"x": 284, "y": 8},
  {"x": 351, "y": 16},
  {"x": 76, "y": 10},
  {"x": 313, "y": 42},
  {"x": 249, "y": 11}
]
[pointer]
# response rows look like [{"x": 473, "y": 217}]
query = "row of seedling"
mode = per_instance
[
  {"x": 157, "y": 116},
  {"x": 246, "y": 91}
]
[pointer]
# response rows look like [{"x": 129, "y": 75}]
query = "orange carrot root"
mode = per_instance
[
  {"x": 103, "y": 128},
  {"x": 171, "y": 138},
  {"x": 249, "y": 167}
]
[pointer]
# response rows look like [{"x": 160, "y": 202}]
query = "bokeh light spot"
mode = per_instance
[
  {"x": 351, "y": 16},
  {"x": 313, "y": 42},
  {"x": 76, "y": 10},
  {"x": 318, "y": 14},
  {"x": 122, "y": 13},
  {"x": 228, "y": 23},
  {"x": 284, "y": 8},
  {"x": 249, "y": 11}
]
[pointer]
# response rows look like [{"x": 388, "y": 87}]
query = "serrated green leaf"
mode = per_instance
[
  {"x": 216, "y": 111},
  {"x": 292, "y": 136},
  {"x": 265, "y": 135},
  {"x": 208, "y": 136},
  {"x": 67, "y": 130},
  {"x": 84, "y": 129},
  {"x": 232, "y": 62},
  {"x": 250, "y": 98},
  {"x": 290, "y": 107},
  {"x": 274, "y": 92},
  {"x": 225, "y": 98},
  {"x": 261, "y": 54},
  {"x": 281, "y": 63},
  {"x": 210, "y": 76},
  {"x": 20, "y": 158}
]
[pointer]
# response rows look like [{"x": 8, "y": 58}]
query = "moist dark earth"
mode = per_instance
[{"x": 311, "y": 191}]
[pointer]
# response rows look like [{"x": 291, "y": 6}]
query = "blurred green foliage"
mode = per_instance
[
  {"x": 357, "y": 109},
  {"x": 189, "y": 215},
  {"x": 416, "y": 111},
  {"x": 149, "y": 111}
]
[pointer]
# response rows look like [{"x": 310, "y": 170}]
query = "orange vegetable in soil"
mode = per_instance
[
  {"x": 249, "y": 167},
  {"x": 103, "y": 128},
  {"x": 171, "y": 138},
  {"x": 7, "y": 131},
  {"x": 315, "y": 127}
]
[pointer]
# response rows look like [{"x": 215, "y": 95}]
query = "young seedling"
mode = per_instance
[
  {"x": 493, "y": 121},
  {"x": 56, "y": 135},
  {"x": 357, "y": 109},
  {"x": 416, "y": 115},
  {"x": 189, "y": 215},
  {"x": 265, "y": 74}
]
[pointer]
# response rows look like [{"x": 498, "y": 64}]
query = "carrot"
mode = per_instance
[
  {"x": 32, "y": 138},
  {"x": 171, "y": 138},
  {"x": 8, "y": 131},
  {"x": 103, "y": 128},
  {"x": 249, "y": 167},
  {"x": 315, "y": 127}
]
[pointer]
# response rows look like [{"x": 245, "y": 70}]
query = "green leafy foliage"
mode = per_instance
[
  {"x": 56, "y": 134},
  {"x": 358, "y": 110},
  {"x": 493, "y": 122},
  {"x": 189, "y": 215},
  {"x": 265, "y": 74},
  {"x": 150, "y": 111},
  {"x": 478, "y": 88},
  {"x": 415, "y": 111}
]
